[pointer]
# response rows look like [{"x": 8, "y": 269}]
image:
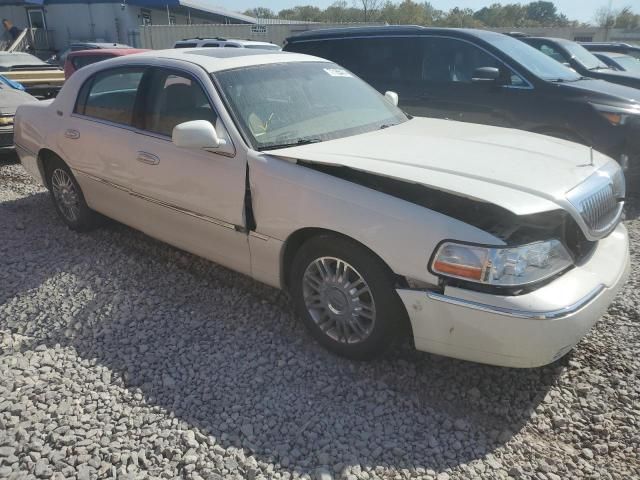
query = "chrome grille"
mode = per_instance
[
  {"x": 599, "y": 201},
  {"x": 599, "y": 209}
]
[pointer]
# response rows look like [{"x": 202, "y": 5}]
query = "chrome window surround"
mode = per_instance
[
  {"x": 148, "y": 133},
  {"x": 599, "y": 201}
]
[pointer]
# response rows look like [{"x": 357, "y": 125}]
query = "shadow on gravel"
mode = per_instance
[{"x": 226, "y": 355}]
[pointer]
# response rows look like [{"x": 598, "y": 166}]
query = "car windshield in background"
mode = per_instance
[
  {"x": 535, "y": 61},
  {"x": 9, "y": 60},
  {"x": 288, "y": 104},
  {"x": 630, "y": 64},
  {"x": 583, "y": 56}
]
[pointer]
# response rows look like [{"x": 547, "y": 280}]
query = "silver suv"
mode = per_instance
[{"x": 223, "y": 42}]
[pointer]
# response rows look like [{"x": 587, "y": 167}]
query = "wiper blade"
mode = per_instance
[
  {"x": 302, "y": 141},
  {"x": 387, "y": 125}
]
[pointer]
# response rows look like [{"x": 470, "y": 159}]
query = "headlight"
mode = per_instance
[
  {"x": 615, "y": 115},
  {"x": 7, "y": 120},
  {"x": 502, "y": 266}
]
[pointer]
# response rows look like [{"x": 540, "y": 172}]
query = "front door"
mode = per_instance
[
  {"x": 445, "y": 87},
  {"x": 193, "y": 199}
]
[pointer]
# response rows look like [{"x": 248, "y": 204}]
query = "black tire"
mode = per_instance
[
  {"x": 83, "y": 218},
  {"x": 390, "y": 316}
]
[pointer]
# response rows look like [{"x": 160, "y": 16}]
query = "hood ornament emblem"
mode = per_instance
[{"x": 591, "y": 162}]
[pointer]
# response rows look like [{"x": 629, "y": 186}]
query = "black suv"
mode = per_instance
[
  {"x": 485, "y": 77},
  {"x": 584, "y": 62}
]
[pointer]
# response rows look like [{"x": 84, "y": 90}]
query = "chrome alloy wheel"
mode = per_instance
[
  {"x": 66, "y": 194},
  {"x": 339, "y": 300}
]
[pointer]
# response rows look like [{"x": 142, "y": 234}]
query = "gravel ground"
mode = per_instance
[{"x": 121, "y": 357}]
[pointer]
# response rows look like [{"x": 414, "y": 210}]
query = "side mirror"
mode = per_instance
[
  {"x": 197, "y": 134},
  {"x": 392, "y": 97},
  {"x": 485, "y": 74}
]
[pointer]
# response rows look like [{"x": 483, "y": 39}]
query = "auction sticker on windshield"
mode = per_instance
[{"x": 337, "y": 72}]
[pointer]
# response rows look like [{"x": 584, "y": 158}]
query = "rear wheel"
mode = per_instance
[
  {"x": 346, "y": 297},
  {"x": 68, "y": 198}
]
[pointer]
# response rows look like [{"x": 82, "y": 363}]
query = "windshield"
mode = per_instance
[
  {"x": 583, "y": 56},
  {"x": 285, "y": 104},
  {"x": 630, "y": 64},
  {"x": 9, "y": 60},
  {"x": 532, "y": 59}
]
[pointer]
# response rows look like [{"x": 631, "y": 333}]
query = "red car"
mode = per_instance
[{"x": 82, "y": 58}]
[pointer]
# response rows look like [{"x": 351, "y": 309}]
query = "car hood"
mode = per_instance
[
  {"x": 11, "y": 99},
  {"x": 605, "y": 92},
  {"x": 626, "y": 78},
  {"x": 520, "y": 171}
]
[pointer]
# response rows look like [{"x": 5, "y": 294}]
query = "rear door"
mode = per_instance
[{"x": 99, "y": 140}]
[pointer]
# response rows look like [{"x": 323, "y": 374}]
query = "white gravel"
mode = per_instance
[{"x": 121, "y": 357}]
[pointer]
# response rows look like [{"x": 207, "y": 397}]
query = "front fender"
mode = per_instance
[{"x": 287, "y": 197}]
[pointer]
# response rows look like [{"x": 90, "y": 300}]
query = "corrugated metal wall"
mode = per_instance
[{"x": 164, "y": 36}]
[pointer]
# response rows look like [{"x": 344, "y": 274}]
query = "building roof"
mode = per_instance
[{"x": 198, "y": 6}]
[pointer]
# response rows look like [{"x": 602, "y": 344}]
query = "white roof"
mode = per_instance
[{"x": 218, "y": 59}]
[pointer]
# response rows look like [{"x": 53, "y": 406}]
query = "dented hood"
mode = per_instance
[{"x": 520, "y": 171}]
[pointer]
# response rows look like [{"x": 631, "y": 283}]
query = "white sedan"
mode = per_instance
[{"x": 492, "y": 245}]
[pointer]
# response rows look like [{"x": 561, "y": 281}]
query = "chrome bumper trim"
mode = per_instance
[{"x": 525, "y": 314}]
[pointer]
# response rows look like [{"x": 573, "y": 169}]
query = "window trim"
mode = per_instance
[
  {"x": 529, "y": 85},
  {"x": 142, "y": 96}
]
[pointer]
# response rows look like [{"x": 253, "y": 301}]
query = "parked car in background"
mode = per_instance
[
  {"x": 583, "y": 61},
  {"x": 632, "y": 50},
  {"x": 39, "y": 78},
  {"x": 619, "y": 61},
  {"x": 486, "y": 77},
  {"x": 495, "y": 245},
  {"x": 82, "y": 58},
  {"x": 61, "y": 58},
  {"x": 224, "y": 43},
  {"x": 10, "y": 99}
]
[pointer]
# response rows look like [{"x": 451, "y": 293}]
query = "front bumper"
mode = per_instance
[
  {"x": 6, "y": 138},
  {"x": 521, "y": 331}
]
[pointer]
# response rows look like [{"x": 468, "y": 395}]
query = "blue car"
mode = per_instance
[{"x": 11, "y": 83}]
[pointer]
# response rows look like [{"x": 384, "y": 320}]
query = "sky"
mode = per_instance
[{"x": 582, "y": 10}]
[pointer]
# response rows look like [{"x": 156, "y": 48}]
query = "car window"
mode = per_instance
[
  {"x": 231, "y": 45},
  {"x": 385, "y": 63},
  {"x": 110, "y": 95},
  {"x": 552, "y": 52},
  {"x": 211, "y": 45},
  {"x": 185, "y": 45},
  {"x": 448, "y": 60},
  {"x": 84, "y": 60},
  {"x": 583, "y": 56},
  {"x": 175, "y": 98}
]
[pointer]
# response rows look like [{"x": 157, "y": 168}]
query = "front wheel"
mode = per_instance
[{"x": 346, "y": 297}]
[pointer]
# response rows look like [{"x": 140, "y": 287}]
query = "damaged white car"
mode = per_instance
[{"x": 490, "y": 244}]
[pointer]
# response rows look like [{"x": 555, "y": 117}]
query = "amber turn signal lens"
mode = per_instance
[{"x": 473, "y": 273}]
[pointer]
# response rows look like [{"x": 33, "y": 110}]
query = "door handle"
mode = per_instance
[
  {"x": 148, "y": 158},
  {"x": 72, "y": 134}
]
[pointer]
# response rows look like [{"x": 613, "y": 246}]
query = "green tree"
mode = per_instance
[{"x": 260, "y": 12}]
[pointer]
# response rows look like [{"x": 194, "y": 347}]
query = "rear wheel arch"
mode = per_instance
[{"x": 45, "y": 160}]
